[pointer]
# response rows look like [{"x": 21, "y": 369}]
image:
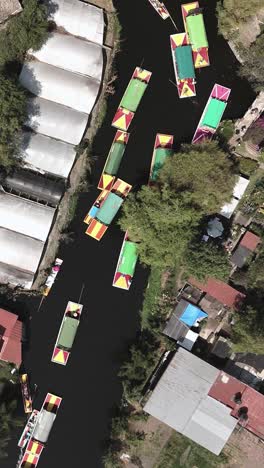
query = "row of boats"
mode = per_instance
[{"x": 113, "y": 191}]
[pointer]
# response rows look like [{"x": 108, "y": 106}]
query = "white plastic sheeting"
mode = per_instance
[
  {"x": 57, "y": 85},
  {"x": 228, "y": 209},
  {"x": 240, "y": 187},
  {"x": 72, "y": 54},
  {"x": 47, "y": 154},
  {"x": 19, "y": 251},
  {"x": 26, "y": 217},
  {"x": 79, "y": 19},
  {"x": 56, "y": 121}
]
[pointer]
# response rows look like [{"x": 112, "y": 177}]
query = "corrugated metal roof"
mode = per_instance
[
  {"x": 250, "y": 241},
  {"x": 220, "y": 291},
  {"x": 180, "y": 399},
  {"x": 240, "y": 256},
  {"x": 226, "y": 388}
]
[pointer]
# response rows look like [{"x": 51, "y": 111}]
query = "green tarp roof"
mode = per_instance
[
  {"x": 160, "y": 155},
  {"x": 184, "y": 62},
  {"x": 213, "y": 114},
  {"x": 115, "y": 158},
  {"x": 133, "y": 95},
  {"x": 68, "y": 332},
  {"x": 109, "y": 209},
  {"x": 196, "y": 31},
  {"x": 128, "y": 259}
]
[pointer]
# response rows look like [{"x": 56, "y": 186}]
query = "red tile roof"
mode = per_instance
[
  {"x": 11, "y": 334},
  {"x": 222, "y": 292},
  {"x": 224, "y": 389},
  {"x": 250, "y": 241}
]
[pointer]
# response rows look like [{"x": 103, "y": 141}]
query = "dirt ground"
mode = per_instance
[
  {"x": 244, "y": 450},
  {"x": 80, "y": 166}
]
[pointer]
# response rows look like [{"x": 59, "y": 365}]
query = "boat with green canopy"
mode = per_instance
[
  {"x": 194, "y": 26},
  {"x": 182, "y": 59},
  {"x": 126, "y": 264},
  {"x": 67, "y": 332},
  {"x": 162, "y": 150},
  {"x": 131, "y": 99},
  {"x": 113, "y": 160}
]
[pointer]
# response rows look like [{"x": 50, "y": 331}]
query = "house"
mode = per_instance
[
  {"x": 181, "y": 400},
  {"x": 246, "y": 404},
  {"x": 245, "y": 248},
  {"x": 10, "y": 337},
  {"x": 185, "y": 316},
  {"x": 203, "y": 403},
  {"x": 9, "y": 8},
  {"x": 220, "y": 291}
]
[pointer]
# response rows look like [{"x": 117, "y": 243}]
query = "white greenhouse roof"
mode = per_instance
[
  {"x": 56, "y": 121},
  {"x": 240, "y": 187},
  {"x": 47, "y": 154},
  {"x": 228, "y": 209},
  {"x": 19, "y": 251},
  {"x": 14, "y": 276},
  {"x": 72, "y": 54},
  {"x": 57, "y": 85},
  {"x": 79, "y": 19},
  {"x": 24, "y": 216}
]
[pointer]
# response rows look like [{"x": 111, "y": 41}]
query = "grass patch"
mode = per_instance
[
  {"x": 181, "y": 452},
  {"x": 151, "y": 298}
]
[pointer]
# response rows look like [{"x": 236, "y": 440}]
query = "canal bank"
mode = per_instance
[{"x": 89, "y": 384}]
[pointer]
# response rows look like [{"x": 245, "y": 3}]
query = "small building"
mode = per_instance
[
  {"x": 220, "y": 291},
  {"x": 185, "y": 316},
  {"x": 181, "y": 400},
  {"x": 9, "y": 8},
  {"x": 10, "y": 337},
  {"x": 245, "y": 248}
]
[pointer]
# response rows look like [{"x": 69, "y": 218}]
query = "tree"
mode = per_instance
[
  {"x": 256, "y": 272},
  {"x": 248, "y": 331},
  {"x": 12, "y": 116},
  {"x": 233, "y": 12},
  {"x": 253, "y": 66},
  {"x": 164, "y": 218},
  {"x": 28, "y": 30},
  {"x": 203, "y": 175},
  {"x": 204, "y": 259}
]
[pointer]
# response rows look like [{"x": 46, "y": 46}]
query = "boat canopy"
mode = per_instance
[
  {"x": 109, "y": 209},
  {"x": 115, "y": 157},
  {"x": 43, "y": 426},
  {"x": 184, "y": 61},
  {"x": 128, "y": 259},
  {"x": 159, "y": 159},
  {"x": 213, "y": 114},
  {"x": 68, "y": 332},
  {"x": 133, "y": 94},
  {"x": 196, "y": 31}
]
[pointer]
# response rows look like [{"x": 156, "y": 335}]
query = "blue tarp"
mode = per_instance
[{"x": 191, "y": 315}]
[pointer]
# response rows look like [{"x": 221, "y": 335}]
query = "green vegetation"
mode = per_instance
[
  {"x": 253, "y": 66},
  {"x": 231, "y": 13},
  {"x": 248, "y": 331},
  {"x": 253, "y": 200},
  {"x": 151, "y": 297},
  {"x": 164, "y": 218},
  {"x": 247, "y": 166},
  {"x": 27, "y": 30},
  {"x": 204, "y": 259},
  {"x": 181, "y": 452}
]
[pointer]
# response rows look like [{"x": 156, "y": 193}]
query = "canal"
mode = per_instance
[{"x": 89, "y": 384}]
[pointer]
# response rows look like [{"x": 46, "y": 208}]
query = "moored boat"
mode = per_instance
[
  {"x": 28, "y": 429},
  {"x": 25, "y": 390},
  {"x": 162, "y": 149},
  {"x": 126, "y": 264},
  {"x": 183, "y": 65},
  {"x": 113, "y": 160},
  {"x": 41, "y": 431},
  {"x": 194, "y": 26},
  {"x": 160, "y": 8},
  {"x": 212, "y": 113},
  {"x": 106, "y": 209},
  {"x": 131, "y": 98},
  {"x": 52, "y": 276},
  {"x": 67, "y": 333}
]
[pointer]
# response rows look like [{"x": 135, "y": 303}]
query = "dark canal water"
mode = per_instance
[{"x": 89, "y": 384}]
